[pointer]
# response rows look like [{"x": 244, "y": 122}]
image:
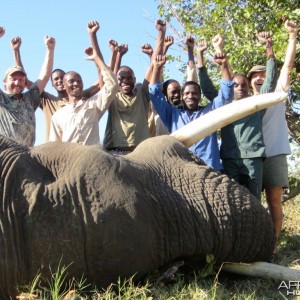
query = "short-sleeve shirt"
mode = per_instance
[
  {"x": 127, "y": 123},
  {"x": 17, "y": 118}
]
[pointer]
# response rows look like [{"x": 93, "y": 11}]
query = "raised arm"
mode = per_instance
[
  {"x": 217, "y": 43},
  {"x": 168, "y": 42},
  {"x": 202, "y": 47},
  {"x": 158, "y": 49},
  {"x": 288, "y": 64},
  {"x": 158, "y": 99},
  {"x": 110, "y": 88},
  {"x": 92, "y": 28},
  {"x": 159, "y": 44},
  {"x": 113, "y": 46},
  {"x": 221, "y": 60},
  {"x": 191, "y": 67},
  {"x": 207, "y": 87},
  {"x": 264, "y": 37},
  {"x": 271, "y": 66},
  {"x": 122, "y": 50},
  {"x": 48, "y": 63},
  {"x": 157, "y": 63},
  {"x": 16, "y": 45},
  {"x": 148, "y": 50}
]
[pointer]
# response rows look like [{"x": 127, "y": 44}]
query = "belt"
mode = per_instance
[{"x": 121, "y": 149}]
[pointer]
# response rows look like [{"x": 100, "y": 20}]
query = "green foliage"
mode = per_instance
[
  {"x": 238, "y": 21},
  {"x": 210, "y": 266}
]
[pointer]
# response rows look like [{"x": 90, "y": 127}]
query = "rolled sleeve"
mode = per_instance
[
  {"x": 108, "y": 92},
  {"x": 191, "y": 73},
  {"x": 225, "y": 94},
  {"x": 207, "y": 87},
  {"x": 270, "y": 82}
]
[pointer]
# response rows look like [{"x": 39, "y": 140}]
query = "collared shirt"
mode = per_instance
[
  {"x": 207, "y": 149},
  {"x": 50, "y": 104},
  {"x": 243, "y": 138},
  {"x": 17, "y": 119},
  {"x": 79, "y": 123}
]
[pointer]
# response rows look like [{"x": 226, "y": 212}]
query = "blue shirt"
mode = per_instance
[{"x": 207, "y": 149}]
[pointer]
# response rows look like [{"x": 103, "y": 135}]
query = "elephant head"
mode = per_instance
[{"x": 115, "y": 216}]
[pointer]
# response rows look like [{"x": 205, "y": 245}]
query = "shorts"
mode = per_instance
[{"x": 275, "y": 172}]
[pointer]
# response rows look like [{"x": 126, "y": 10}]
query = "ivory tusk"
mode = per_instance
[{"x": 218, "y": 118}]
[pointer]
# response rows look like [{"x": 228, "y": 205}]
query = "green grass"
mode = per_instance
[{"x": 218, "y": 286}]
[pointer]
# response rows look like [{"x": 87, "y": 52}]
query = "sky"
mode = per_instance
[{"x": 131, "y": 22}]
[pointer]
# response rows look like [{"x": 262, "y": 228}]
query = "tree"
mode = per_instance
[{"x": 239, "y": 21}]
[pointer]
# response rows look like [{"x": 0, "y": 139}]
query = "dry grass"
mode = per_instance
[{"x": 289, "y": 246}]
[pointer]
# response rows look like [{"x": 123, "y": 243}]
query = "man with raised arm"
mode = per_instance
[
  {"x": 17, "y": 108},
  {"x": 78, "y": 120},
  {"x": 275, "y": 132},
  {"x": 174, "y": 118},
  {"x": 127, "y": 124},
  {"x": 49, "y": 102},
  {"x": 263, "y": 79}
]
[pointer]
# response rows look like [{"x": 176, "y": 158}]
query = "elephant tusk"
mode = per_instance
[
  {"x": 262, "y": 270},
  {"x": 218, "y": 118}
]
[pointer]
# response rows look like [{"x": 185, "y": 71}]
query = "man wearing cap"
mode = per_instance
[
  {"x": 50, "y": 103},
  {"x": 263, "y": 79},
  {"x": 17, "y": 108}
]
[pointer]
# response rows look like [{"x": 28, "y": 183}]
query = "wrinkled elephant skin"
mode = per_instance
[{"x": 114, "y": 216}]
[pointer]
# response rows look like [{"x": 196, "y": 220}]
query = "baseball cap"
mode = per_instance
[
  {"x": 257, "y": 68},
  {"x": 13, "y": 70}
]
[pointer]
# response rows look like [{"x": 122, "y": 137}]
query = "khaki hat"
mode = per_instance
[
  {"x": 255, "y": 69},
  {"x": 13, "y": 70}
]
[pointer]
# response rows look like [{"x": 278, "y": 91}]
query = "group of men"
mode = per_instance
[{"x": 253, "y": 150}]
